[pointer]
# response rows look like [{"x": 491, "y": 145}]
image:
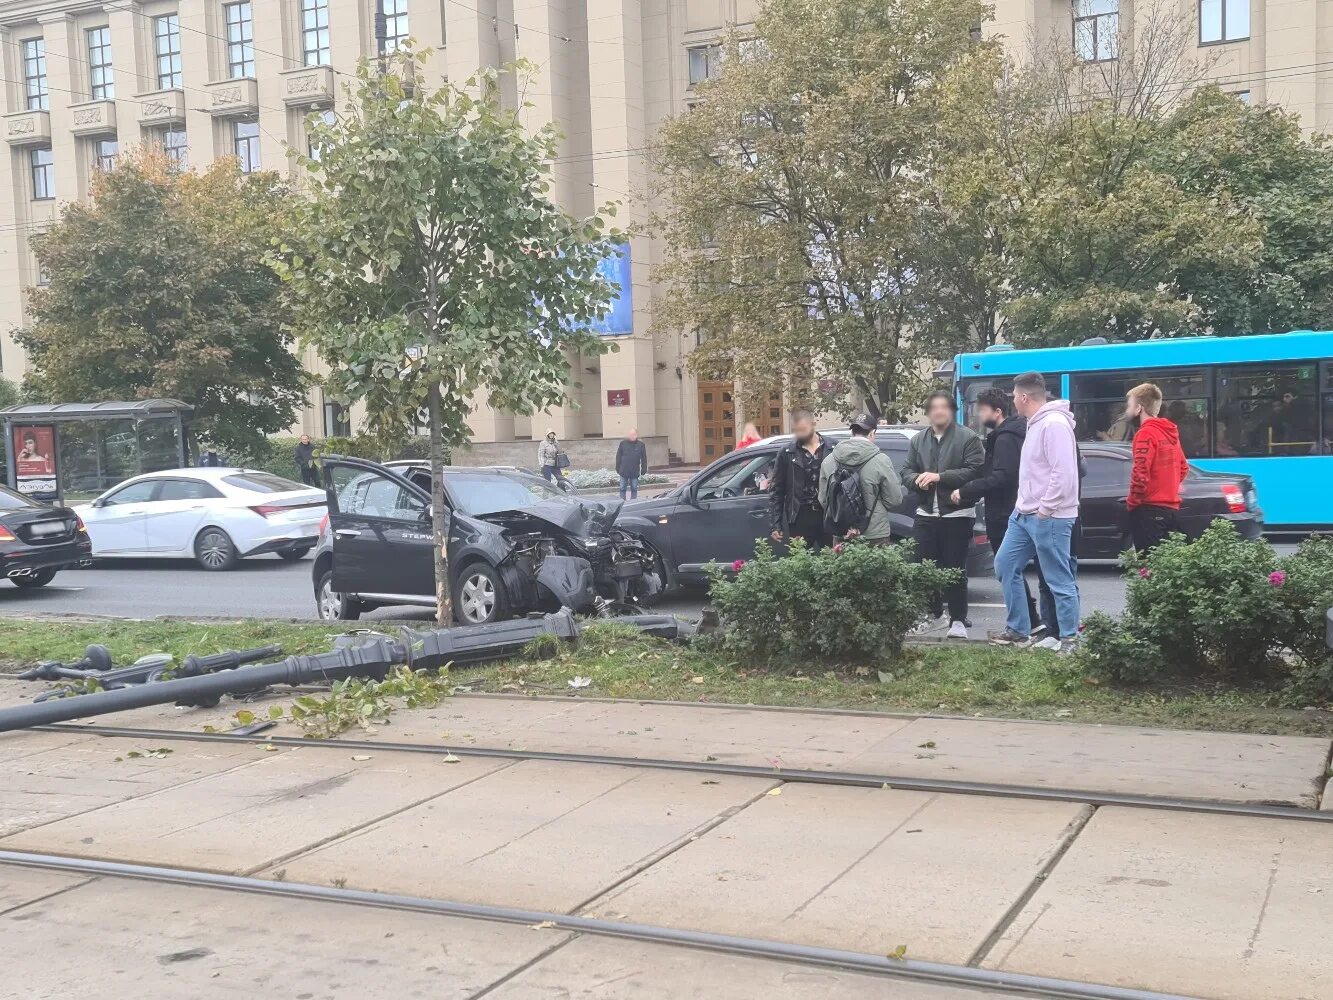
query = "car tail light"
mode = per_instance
[
  {"x": 1235, "y": 498},
  {"x": 980, "y": 538},
  {"x": 324, "y": 524},
  {"x": 6, "y": 535},
  {"x": 79, "y": 526}
]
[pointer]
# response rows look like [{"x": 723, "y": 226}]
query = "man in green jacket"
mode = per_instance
[
  {"x": 879, "y": 481},
  {"x": 941, "y": 459}
]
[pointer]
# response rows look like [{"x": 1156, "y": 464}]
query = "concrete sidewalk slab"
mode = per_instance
[
  {"x": 538, "y": 834},
  {"x": 1225, "y": 907},
  {"x": 73, "y": 776},
  {"x": 274, "y": 805},
  {"x": 1233, "y": 767},
  {"x": 857, "y": 868},
  {"x": 592, "y": 968},
  {"x": 21, "y": 886},
  {"x": 117, "y": 939}
]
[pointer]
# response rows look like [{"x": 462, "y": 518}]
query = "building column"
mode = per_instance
[{"x": 619, "y": 134}]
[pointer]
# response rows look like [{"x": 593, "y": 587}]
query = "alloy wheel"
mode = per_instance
[
  {"x": 478, "y": 598},
  {"x": 214, "y": 549}
]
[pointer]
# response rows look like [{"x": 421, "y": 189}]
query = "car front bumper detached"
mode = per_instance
[{"x": 365, "y": 655}]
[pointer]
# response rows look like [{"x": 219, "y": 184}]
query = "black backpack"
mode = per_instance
[{"x": 847, "y": 507}]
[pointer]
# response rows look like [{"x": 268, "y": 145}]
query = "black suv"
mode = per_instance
[
  {"x": 516, "y": 544},
  {"x": 37, "y": 541}
]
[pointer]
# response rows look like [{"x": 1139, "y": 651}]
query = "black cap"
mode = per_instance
[{"x": 864, "y": 423}]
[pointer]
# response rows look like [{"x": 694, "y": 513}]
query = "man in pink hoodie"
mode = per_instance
[{"x": 1043, "y": 517}]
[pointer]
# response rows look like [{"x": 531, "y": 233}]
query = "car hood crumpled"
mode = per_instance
[{"x": 580, "y": 518}]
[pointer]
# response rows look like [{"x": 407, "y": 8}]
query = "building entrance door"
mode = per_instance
[{"x": 717, "y": 420}]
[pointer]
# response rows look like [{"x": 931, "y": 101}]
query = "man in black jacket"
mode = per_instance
[
  {"x": 631, "y": 464},
  {"x": 793, "y": 500},
  {"x": 998, "y": 483},
  {"x": 305, "y": 461}
]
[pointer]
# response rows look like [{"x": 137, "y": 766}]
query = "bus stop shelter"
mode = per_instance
[{"x": 84, "y": 448}]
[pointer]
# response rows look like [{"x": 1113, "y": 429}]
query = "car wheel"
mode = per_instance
[
  {"x": 213, "y": 549},
  {"x": 480, "y": 597},
  {"x": 294, "y": 555},
  {"x": 332, "y": 606},
  {"x": 39, "y": 579}
]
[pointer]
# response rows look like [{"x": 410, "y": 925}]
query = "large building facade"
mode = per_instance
[{"x": 211, "y": 78}]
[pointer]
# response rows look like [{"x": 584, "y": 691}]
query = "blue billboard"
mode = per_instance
[{"x": 615, "y": 269}]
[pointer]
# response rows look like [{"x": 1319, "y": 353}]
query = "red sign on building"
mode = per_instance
[{"x": 617, "y": 397}]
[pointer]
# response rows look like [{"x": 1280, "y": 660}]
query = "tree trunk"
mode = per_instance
[{"x": 439, "y": 515}]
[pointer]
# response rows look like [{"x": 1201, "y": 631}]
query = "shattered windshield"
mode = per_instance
[{"x": 485, "y": 493}]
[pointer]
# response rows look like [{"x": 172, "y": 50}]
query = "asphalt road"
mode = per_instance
[{"x": 266, "y": 587}]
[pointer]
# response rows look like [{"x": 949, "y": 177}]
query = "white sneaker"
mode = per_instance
[
  {"x": 957, "y": 630},
  {"x": 1050, "y": 643},
  {"x": 928, "y": 625}
]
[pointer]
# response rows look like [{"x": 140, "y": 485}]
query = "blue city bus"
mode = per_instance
[{"x": 1260, "y": 406}]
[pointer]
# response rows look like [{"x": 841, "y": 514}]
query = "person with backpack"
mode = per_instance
[
  {"x": 794, "y": 508},
  {"x": 1158, "y": 470},
  {"x": 943, "y": 458},
  {"x": 858, "y": 486}
]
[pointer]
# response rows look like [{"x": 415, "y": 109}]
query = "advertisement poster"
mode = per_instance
[
  {"x": 616, "y": 270},
  {"x": 35, "y": 461}
]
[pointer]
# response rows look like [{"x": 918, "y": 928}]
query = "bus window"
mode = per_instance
[
  {"x": 1267, "y": 411},
  {"x": 972, "y": 388},
  {"x": 1099, "y": 405},
  {"x": 1328, "y": 407}
]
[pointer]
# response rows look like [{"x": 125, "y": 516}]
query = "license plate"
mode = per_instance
[{"x": 42, "y": 528}]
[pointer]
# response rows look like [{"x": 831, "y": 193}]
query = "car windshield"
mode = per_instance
[
  {"x": 15, "y": 501},
  {"x": 262, "y": 482},
  {"x": 487, "y": 492}
]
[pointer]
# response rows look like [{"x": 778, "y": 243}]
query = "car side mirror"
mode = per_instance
[
  {"x": 98, "y": 503},
  {"x": 428, "y": 513}
]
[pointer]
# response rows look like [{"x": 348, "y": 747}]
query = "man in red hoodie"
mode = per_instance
[{"x": 1158, "y": 470}]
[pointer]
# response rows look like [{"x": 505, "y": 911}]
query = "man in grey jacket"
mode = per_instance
[
  {"x": 943, "y": 458},
  {"x": 879, "y": 481}
]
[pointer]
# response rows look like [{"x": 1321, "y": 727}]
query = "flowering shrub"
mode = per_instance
[
  {"x": 852, "y": 605},
  {"x": 1221, "y": 607}
]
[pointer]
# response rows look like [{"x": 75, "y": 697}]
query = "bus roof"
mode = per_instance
[{"x": 1299, "y": 345}]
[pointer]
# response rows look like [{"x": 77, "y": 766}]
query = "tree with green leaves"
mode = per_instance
[
  {"x": 431, "y": 263},
  {"x": 795, "y": 241},
  {"x": 159, "y": 287}
]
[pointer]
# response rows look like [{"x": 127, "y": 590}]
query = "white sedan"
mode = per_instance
[{"x": 214, "y": 516}]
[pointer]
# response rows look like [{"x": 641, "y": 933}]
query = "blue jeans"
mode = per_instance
[
  {"x": 630, "y": 483},
  {"x": 1047, "y": 540}
]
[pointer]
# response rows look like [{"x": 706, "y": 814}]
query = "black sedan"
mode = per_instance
[
  {"x": 515, "y": 544},
  {"x": 720, "y": 513},
  {"x": 37, "y": 541}
]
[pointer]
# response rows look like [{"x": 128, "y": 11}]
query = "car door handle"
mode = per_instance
[{"x": 347, "y": 533}]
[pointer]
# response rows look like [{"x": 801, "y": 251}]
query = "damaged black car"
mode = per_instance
[{"x": 516, "y": 545}]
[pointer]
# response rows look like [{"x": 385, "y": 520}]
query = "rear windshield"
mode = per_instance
[
  {"x": 15, "y": 501},
  {"x": 262, "y": 482}
]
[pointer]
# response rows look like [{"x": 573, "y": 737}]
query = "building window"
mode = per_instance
[
  {"x": 174, "y": 145},
  {"x": 43, "y": 174},
  {"x": 245, "y": 144},
  {"x": 167, "y": 45},
  {"x": 43, "y": 275},
  {"x": 240, "y": 40},
  {"x": 326, "y": 117},
  {"x": 1096, "y": 25},
  {"x": 1242, "y": 95},
  {"x": 107, "y": 151},
  {"x": 34, "y": 74},
  {"x": 394, "y": 13},
  {"x": 337, "y": 420},
  {"x": 1223, "y": 21},
  {"x": 705, "y": 63},
  {"x": 101, "y": 78},
  {"x": 315, "y": 32}
]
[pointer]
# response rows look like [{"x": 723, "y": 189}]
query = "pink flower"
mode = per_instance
[
  {"x": 1277, "y": 578},
  {"x": 837, "y": 547},
  {"x": 1144, "y": 572},
  {"x": 738, "y": 565}
]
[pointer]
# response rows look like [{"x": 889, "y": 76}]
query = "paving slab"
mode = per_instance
[
  {"x": 253, "y": 815},
  {"x": 863, "y": 869},
  {"x": 120, "y": 939},
  {"x": 1234, "y": 767},
  {"x": 592, "y": 968},
  {"x": 1225, "y": 907},
  {"x": 538, "y": 834},
  {"x": 71, "y": 776},
  {"x": 21, "y": 886}
]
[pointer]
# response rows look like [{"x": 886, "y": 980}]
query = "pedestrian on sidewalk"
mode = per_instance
[
  {"x": 631, "y": 463},
  {"x": 879, "y": 489},
  {"x": 551, "y": 458},
  {"x": 749, "y": 435},
  {"x": 941, "y": 459},
  {"x": 1158, "y": 470},
  {"x": 1042, "y": 523},
  {"x": 210, "y": 459},
  {"x": 997, "y": 485},
  {"x": 305, "y": 461},
  {"x": 794, "y": 508}
]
